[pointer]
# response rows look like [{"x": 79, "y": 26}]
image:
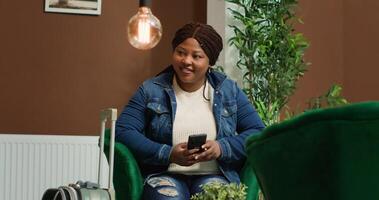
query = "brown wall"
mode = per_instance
[
  {"x": 323, "y": 29},
  {"x": 343, "y": 39},
  {"x": 361, "y": 44},
  {"x": 57, "y": 71}
]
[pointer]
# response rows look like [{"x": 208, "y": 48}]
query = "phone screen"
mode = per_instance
[{"x": 196, "y": 141}]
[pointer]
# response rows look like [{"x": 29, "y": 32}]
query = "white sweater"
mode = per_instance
[{"x": 193, "y": 116}]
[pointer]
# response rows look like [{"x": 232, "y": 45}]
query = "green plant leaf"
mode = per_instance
[{"x": 270, "y": 53}]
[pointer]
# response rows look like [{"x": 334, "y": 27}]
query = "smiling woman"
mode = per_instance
[
  {"x": 74, "y": 6},
  {"x": 194, "y": 51},
  {"x": 190, "y": 64},
  {"x": 188, "y": 98}
]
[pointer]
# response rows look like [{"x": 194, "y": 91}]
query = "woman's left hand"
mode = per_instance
[{"x": 211, "y": 151}]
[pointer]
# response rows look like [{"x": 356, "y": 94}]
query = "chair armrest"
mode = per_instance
[
  {"x": 247, "y": 176},
  {"x": 128, "y": 181},
  {"x": 329, "y": 153}
]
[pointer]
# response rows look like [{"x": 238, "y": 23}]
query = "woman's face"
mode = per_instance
[{"x": 190, "y": 64}]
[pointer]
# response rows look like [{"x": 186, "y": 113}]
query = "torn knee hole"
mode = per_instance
[
  {"x": 160, "y": 181},
  {"x": 170, "y": 192}
]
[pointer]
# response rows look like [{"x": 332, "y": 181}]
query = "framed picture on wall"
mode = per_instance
[{"x": 90, "y": 7}]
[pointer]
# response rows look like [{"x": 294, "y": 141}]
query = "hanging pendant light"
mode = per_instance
[{"x": 144, "y": 29}]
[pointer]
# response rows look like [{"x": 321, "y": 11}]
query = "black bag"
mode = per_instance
[
  {"x": 88, "y": 190},
  {"x": 78, "y": 191}
]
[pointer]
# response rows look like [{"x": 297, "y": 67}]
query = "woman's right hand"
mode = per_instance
[{"x": 182, "y": 156}]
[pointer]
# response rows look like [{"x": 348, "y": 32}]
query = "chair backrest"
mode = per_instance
[
  {"x": 321, "y": 154},
  {"x": 127, "y": 177}
]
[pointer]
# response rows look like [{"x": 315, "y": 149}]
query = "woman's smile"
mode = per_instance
[
  {"x": 190, "y": 64},
  {"x": 186, "y": 70}
]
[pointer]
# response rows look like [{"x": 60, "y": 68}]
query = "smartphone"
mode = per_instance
[{"x": 196, "y": 141}]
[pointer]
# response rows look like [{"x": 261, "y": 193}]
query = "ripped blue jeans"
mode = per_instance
[{"x": 177, "y": 186}]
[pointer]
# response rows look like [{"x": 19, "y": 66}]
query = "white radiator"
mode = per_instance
[{"x": 29, "y": 164}]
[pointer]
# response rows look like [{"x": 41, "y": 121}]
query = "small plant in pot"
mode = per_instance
[{"x": 221, "y": 191}]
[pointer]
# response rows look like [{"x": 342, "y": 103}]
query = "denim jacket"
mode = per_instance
[{"x": 145, "y": 125}]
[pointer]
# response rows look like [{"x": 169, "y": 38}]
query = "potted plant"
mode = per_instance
[
  {"x": 220, "y": 191},
  {"x": 270, "y": 53}
]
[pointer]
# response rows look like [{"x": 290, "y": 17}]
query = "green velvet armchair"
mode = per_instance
[
  {"x": 321, "y": 154},
  {"x": 128, "y": 181}
]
